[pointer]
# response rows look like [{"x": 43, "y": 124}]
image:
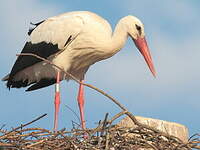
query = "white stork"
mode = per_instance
[{"x": 73, "y": 41}]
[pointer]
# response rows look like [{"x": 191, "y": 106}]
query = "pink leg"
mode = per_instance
[
  {"x": 57, "y": 101},
  {"x": 80, "y": 99}
]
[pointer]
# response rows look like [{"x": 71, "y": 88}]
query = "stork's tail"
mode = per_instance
[{"x": 37, "y": 76}]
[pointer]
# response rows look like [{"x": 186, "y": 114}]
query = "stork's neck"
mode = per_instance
[{"x": 119, "y": 37}]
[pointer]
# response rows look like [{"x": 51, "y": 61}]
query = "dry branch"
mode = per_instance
[{"x": 21, "y": 126}]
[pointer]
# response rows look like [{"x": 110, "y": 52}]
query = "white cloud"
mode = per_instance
[
  {"x": 15, "y": 18},
  {"x": 177, "y": 11}
]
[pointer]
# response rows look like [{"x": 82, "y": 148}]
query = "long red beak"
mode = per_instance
[{"x": 143, "y": 47}]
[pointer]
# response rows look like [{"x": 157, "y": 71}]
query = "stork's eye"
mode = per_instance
[{"x": 138, "y": 27}]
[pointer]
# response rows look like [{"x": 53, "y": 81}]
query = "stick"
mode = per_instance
[
  {"x": 21, "y": 126},
  {"x": 104, "y": 124}
]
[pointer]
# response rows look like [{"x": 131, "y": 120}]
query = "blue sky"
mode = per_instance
[{"x": 172, "y": 30}]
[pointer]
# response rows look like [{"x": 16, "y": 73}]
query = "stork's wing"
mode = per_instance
[{"x": 48, "y": 38}]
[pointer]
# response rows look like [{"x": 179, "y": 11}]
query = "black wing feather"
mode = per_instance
[
  {"x": 35, "y": 24},
  {"x": 42, "y": 83},
  {"x": 42, "y": 49}
]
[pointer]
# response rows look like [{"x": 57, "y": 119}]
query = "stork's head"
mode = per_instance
[{"x": 135, "y": 29}]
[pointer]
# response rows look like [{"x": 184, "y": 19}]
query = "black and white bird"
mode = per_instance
[{"x": 73, "y": 41}]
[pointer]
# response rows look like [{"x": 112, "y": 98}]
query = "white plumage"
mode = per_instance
[{"x": 90, "y": 36}]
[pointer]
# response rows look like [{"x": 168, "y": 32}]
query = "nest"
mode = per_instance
[{"x": 104, "y": 136}]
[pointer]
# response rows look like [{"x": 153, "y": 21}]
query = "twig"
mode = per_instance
[
  {"x": 104, "y": 124},
  {"x": 39, "y": 142},
  {"x": 75, "y": 123},
  {"x": 149, "y": 144},
  {"x": 15, "y": 129},
  {"x": 49, "y": 62},
  {"x": 194, "y": 135},
  {"x": 2, "y": 126},
  {"x": 107, "y": 140},
  {"x": 117, "y": 116},
  {"x": 74, "y": 113}
]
